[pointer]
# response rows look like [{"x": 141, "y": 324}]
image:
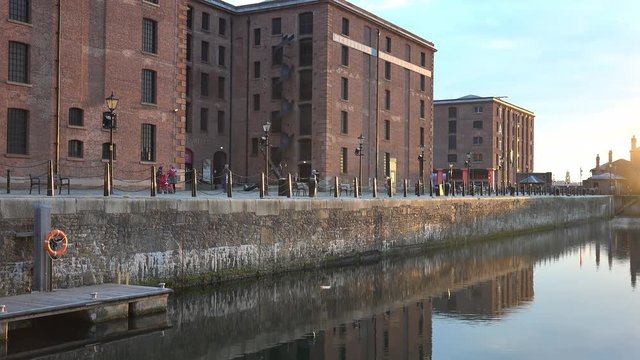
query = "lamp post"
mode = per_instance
[
  {"x": 266, "y": 127},
  {"x": 468, "y": 164},
  {"x": 421, "y": 167},
  {"x": 109, "y": 121},
  {"x": 360, "y": 154},
  {"x": 450, "y": 179}
]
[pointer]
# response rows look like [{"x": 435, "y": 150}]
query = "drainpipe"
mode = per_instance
[
  {"x": 230, "y": 89},
  {"x": 56, "y": 166}
]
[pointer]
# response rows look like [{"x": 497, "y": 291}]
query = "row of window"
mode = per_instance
[
  {"x": 204, "y": 84},
  {"x": 18, "y": 136},
  {"x": 204, "y": 120},
  {"x": 204, "y": 52},
  {"x": 476, "y": 140},
  {"x": 475, "y": 157},
  {"x": 453, "y": 125},
  {"x": 205, "y": 22}
]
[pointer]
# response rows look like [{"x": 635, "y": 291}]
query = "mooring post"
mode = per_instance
[{"x": 41, "y": 261}]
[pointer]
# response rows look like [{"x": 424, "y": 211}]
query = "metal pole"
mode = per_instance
[
  {"x": 50, "y": 190},
  {"x": 229, "y": 184},
  {"x": 8, "y": 181},
  {"x": 261, "y": 185},
  {"x": 194, "y": 184},
  {"x": 106, "y": 186},
  {"x": 41, "y": 261},
  {"x": 266, "y": 163},
  {"x": 111, "y": 153},
  {"x": 336, "y": 184},
  {"x": 374, "y": 189},
  {"x": 153, "y": 181},
  {"x": 356, "y": 192},
  {"x": 360, "y": 172}
]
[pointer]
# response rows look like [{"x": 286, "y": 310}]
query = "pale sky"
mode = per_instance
[{"x": 574, "y": 63}]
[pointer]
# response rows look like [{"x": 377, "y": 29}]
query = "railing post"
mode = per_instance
[
  {"x": 153, "y": 181},
  {"x": 431, "y": 188},
  {"x": 194, "y": 183},
  {"x": 389, "y": 189},
  {"x": 356, "y": 188},
  {"x": 50, "y": 189},
  {"x": 405, "y": 184},
  {"x": 289, "y": 186},
  {"x": 374, "y": 187},
  {"x": 336, "y": 183},
  {"x": 229, "y": 184},
  {"x": 262, "y": 185},
  {"x": 8, "y": 181},
  {"x": 106, "y": 181}
]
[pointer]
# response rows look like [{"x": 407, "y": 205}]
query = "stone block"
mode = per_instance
[
  {"x": 109, "y": 312},
  {"x": 149, "y": 306}
]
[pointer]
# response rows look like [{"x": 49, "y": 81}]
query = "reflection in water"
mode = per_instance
[{"x": 375, "y": 311}]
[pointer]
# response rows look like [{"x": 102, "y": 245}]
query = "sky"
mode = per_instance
[{"x": 574, "y": 63}]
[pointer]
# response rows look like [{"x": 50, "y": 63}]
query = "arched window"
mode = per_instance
[
  {"x": 76, "y": 117},
  {"x": 76, "y": 149}
]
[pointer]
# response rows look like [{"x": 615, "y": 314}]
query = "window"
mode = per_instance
[
  {"x": 254, "y": 146},
  {"x": 17, "y": 131},
  {"x": 204, "y": 51},
  {"x": 344, "y": 59},
  {"x": 387, "y": 130},
  {"x": 453, "y": 127},
  {"x": 222, "y": 26},
  {"x": 478, "y": 157},
  {"x": 343, "y": 160},
  {"x": 306, "y": 52},
  {"x": 105, "y": 151},
  {"x": 452, "y": 158},
  {"x": 276, "y": 88},
  {"x": 148, "y": 86},
  {"x": 477, "y": 109},
  {"x": 305, "y": 23},
  {"x": 76, "y": 117},
  {"x": 149, "y": 36},
  {"x": 276, "y": 122},
  {"x": 387, "y": 100},
  {"x": 221, "y": 82},
  {"x": 205, "y": 21},
  {"x": 256, "y": 102},
  {"x": 256, "y": 37},
  {"x": 306, "y": 85},
  {"x": 345, "y": 26},
  {"x": 19, "y": 10},
  {"x": 18, "y": 62},
  {"x": 189, "y": 17},
  {"x": 276, "y": 26},
  {"x": 423, "y": 82},
  {"x": 305, "y": 119},
  {"x": 344, "y": 122},
  {"x": 453, "y": 112},
  {"x": 387, "y": 164},
  {"x": 189, "y": 47},
  {"x": 256, "y": 69},
  {"x": 452, "y": 142},
  {"x": 148, "y": 142},
  {"x": 188, "y": 80},
  {"x": 421, "y": 136},
  {"x": 188, "y": 119},
  {"x": 387, "y": 70},
  {"x": 76, "y": 149},
  {"x": 204, "y": 119},
  {"x": 220, "y": 122},
  {"x": 204, "y": 84},
  {"x": 221, "y": 56},
  {"x": 276, "y": 55},
  {"x": 423, "y": 59},
  {"x": 305, "y": 150},
  {"x": 387, "y": 44},
  {"x": 344, "y": 88},
  {"x": 478, "y": 124},
  {"x": 477, "y": 140},
  {"x": 422, "y": 109}
]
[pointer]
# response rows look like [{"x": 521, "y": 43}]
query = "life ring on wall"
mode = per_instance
[{"x": 56, "y": 243}]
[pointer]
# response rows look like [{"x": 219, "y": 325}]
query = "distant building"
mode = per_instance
[
  {"x": 482, "y": 139},
  {"x": 616, "y": 176}
]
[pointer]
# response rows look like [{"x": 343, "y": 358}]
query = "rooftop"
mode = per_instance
[{"x": 468, "y": 99}]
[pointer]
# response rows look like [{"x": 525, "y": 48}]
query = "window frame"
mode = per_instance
[
  {"x": 148, "y": 142},
  {"x": 18, "y": 131},
  {"x": 276, "y": 26},
  {"x": 76, "y": 117},
  {"x": 305, "y": 25},
  {"x": 345, "y": 26},
  {"x": 149, "y": 86},
  {"x": 205, "y": 20},
  {"x": 18, "y": 62},
  {"x": 344, "y": 88},
  {"x": 149, "y": 36},
  {"x": 344, "y": 122},
  {"x": 204, "y": 119},
  {"x": 344, "y": 55},
  {"x": 75, "y": 149},
  {"x": 20, "y": 11}
]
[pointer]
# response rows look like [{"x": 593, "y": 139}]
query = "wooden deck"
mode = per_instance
[{"x": 102, "y": 302}]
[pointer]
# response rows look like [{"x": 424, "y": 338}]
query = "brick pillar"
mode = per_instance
[{"x": 439, "y": 176}]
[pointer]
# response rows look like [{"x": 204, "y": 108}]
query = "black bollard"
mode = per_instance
[
  {"x": 356, "y": 188},
  {"x": 8, "y": 181},
  {"x": 106, "y": 180},
  {"x": 194, "y": 184},
  {"x": 405, "y": 185},
  {"x": 374, "y": 189},
  {"x": 336, "y": 185},
  {"x": 153, "y": 181},
  {"x": 50, "y": 182},
  {"x": 431, "y": 188},
  {"x": 230, "y": 184}
]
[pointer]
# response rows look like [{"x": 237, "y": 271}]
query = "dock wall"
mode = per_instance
[{"x": 196, "y": 241}]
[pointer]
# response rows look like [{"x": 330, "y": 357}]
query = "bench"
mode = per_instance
[
  {"x": 300, "y": 188},
  {"x": 59, "y": 182}
]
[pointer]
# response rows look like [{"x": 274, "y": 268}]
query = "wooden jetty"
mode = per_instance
[{"x": 98, "y": 303}]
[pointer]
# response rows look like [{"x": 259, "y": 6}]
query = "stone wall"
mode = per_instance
[{"x": 191, "y": 241}]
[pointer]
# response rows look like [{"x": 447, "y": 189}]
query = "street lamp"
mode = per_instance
[
  {"x": 421, "y": 167},
  {"x": 468, "y": 164},
  {"x": 109, "y": 121},
  {"x": 450, "y": 178},
  {"x": 266, "y": 127},
  {"x": 359, "y": 154}
]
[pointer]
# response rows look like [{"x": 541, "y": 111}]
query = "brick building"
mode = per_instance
[
  {"x": 197, "y": 79},
  {"x": 482, "y": 139}
]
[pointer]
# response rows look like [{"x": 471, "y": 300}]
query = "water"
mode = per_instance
[{"x": 569, "y": 293}]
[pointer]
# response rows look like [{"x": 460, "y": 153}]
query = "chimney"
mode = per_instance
[
  {"x": 610, "y": 156},
  {"x": 633, "y": 143},
  {"x": 598, "y": 161}
]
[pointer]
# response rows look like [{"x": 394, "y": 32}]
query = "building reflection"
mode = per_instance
[
  {"x": 624, "y": 244},
  {"x": 489, "y": 299}
]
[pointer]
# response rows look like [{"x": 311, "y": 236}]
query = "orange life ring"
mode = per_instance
[{"x": 56, "y": 243}]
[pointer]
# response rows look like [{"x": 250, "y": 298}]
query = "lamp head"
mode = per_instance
[
  {"x": 112, "y": 102},
  {"x": 266, "y": 126}
]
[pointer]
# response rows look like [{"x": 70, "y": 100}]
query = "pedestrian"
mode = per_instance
[
  {"x": 159, "y": 179},
  {"x": 173, "y": 178},
  {"x": 225, "y": 177}
]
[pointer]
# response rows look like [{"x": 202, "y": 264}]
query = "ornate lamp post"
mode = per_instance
[
  {"x": 450, "y": 179},
  {"x": 421, "y": 167},
  {"x": 359, "y": 154},
  {"x": 109, "y": 122},
  {"x": 468, "y": 164},
  {"x": 266, "y": 127}
]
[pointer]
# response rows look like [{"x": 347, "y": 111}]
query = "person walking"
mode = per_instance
[{"x": 173, "y": 178}]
